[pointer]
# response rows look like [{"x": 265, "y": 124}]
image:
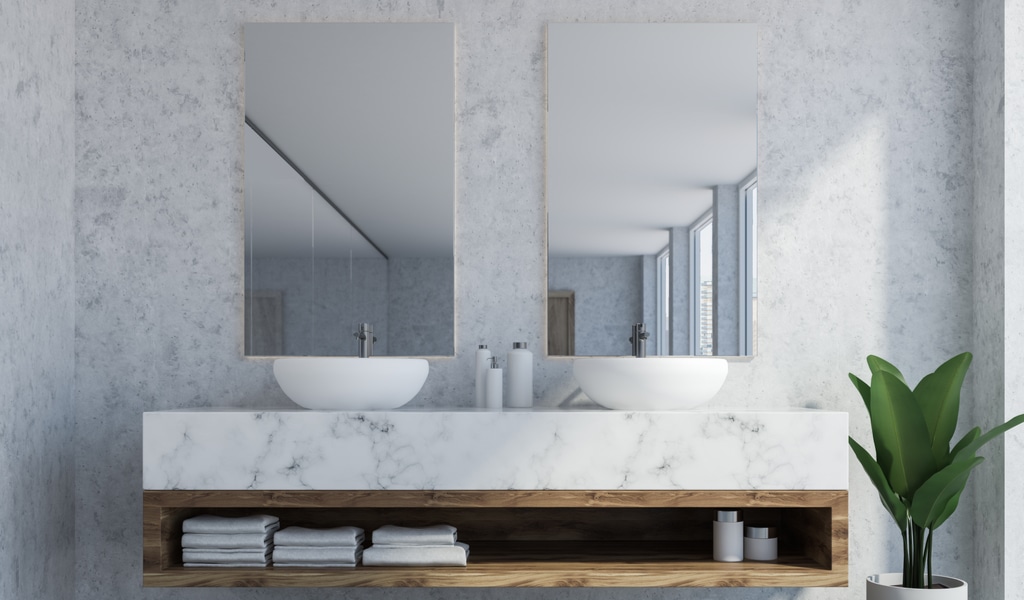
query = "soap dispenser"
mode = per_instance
[
  {"x": 483, "y": 362},
  {"x": 520, "y": 376},
  {"x": 494, "y": 385}
]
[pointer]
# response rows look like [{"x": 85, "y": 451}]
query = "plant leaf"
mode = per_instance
[
  {"x": 969, "y": 437},
  {"x": 863, "y": 388},
  {"x": 938, "y": 395},
  {"x": 934, "y": 497},
  {"x": 948, "y": 511},
  {"x": 901, "y": 435},
  {"x": 877, "y": 364},
  {"x": 968, "y": 451},
  {"x": 890, "y": 500}
]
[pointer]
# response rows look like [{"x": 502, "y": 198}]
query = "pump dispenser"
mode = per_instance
[
  {"x": 483, "y": 361},
  {"x": 494, "y": 385}
]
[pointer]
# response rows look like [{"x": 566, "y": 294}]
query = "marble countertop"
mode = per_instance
[{"x": 450, "y": 449}]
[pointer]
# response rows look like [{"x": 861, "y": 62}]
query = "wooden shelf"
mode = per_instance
[{"x": 544, "y": 538}]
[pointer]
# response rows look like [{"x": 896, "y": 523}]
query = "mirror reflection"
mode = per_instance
[
  {"x": 349, "y": 188},
  {"x": 652, "y": 188}
]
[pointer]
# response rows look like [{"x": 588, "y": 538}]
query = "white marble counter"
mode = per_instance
[{"x": 223, "y": 449}]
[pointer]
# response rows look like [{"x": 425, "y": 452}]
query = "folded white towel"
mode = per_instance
[
  {"x": 305, "y": 536},
  {"x": 314, "y": 554},
  {"x": 434, "y": 535},
  {"x": 225, "y": 556},
  {"x": 289, "y": 565},
  {"x": 416, "y": 556},
  {"x": 222, "y": 541},
  {"x": 215, "y": 524},
  {"x": 232, "y": 565}
]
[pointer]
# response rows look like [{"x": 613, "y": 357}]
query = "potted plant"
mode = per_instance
[{"x": 919, "y": 475}]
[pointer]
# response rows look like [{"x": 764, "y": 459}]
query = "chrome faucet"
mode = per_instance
[
  {"x": 366, "y": 340},
  {"x": 639, "y": 340}
]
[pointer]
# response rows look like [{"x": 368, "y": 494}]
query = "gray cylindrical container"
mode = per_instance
[
  {"x": 483, "y": 363},
  {"x": 727, "y": 536},
  {"x": 520, "y": 377},
  {"x": 760, "y": 543}
]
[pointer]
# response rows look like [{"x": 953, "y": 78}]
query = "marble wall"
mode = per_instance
[
  {"x": 37, "y": 301},
  {"x": 865, "y": 181},
  {"x": 1013, "y": 189}
]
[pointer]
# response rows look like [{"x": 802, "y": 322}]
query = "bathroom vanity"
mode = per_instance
[{"x": 544, "y": 498}]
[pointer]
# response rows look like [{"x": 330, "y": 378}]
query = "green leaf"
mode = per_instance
[
  {"x": 863, "y": 388},
  {"x": 938, "y": 395},
  {"x": 877, "y": 364},
  {"x": 948, "y": 511},
  {"x": 890, "y": 500},
  {"x": 937, "y": 498},
  {"x": 969, "y": 437},
  {"x": 968, "y": 451},
  {"x": 901, "y": 436}
]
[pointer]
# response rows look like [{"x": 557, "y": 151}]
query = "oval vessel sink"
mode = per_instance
[
  {"x": 653, "y": 383},
  {"x": 346, "y": 383}
]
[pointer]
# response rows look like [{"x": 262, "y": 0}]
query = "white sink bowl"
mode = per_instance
[
  {"x": 653, "y": 383},
  {"x": 345, "y": 383}
]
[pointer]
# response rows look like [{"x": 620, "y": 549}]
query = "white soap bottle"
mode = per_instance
[
  {"x": 727, "y": 537},
  {"x": 494, "y": 385},
  {"x": 483, "y": 362},
  {"x": 520, "y": 376}
]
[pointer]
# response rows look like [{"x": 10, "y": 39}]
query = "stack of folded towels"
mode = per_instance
[
  {"x": 433, "y": 546},
  {"x": 318, "y": 548},
  {"x": 212, "y": 541}
]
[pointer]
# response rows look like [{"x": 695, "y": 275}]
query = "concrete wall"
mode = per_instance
[
  {"x": 37, "y": 299},
  {"x": 409, "y": 302},
  {"x": 865, "y": 182},
  {"x": 998, "y": 289},
  {"x": 609, "y": 300}
]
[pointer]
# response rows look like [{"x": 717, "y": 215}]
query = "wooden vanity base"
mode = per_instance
[{"x": 543, "y": 538}]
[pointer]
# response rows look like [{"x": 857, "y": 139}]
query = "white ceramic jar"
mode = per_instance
[
  {"x": 727, "y": 536},
  {"x": 760, "y": 543}
]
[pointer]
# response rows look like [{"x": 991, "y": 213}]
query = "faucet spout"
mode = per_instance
[
  {"x": 639, "y": 340},
  {"x": 366, "y": 340}
]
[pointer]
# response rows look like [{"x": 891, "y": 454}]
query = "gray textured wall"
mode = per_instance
[
  {"x": 37, "y": 302},
  {"x": 865, "y": 180},
  {"x": 409, "y": 302},
  {"x": 609, "y": 300},
  {"x": 998, "y": 382},
  {"x": 728, "y": 229},
  {"x": 321, "y": 311},
  {"x": 421, "y": 306},
  {"x": 989, "y": 292}
]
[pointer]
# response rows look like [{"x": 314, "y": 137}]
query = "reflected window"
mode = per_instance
[
  {"x": 703, "y": 299},
  {"x": 664, "y": 315}
]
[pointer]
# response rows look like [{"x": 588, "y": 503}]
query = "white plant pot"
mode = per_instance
[{"x": 889, "y": 586}]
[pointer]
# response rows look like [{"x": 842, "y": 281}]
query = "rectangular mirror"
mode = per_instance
[
  {"x": 652, "y": 188},
  {"x": 349, "y": 188}
]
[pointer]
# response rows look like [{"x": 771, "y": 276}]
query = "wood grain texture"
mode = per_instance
[
  {"x": 536, "y": 538},
  {"x": 493, "y": 498},
  {"x": 521, "y": 574}
]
